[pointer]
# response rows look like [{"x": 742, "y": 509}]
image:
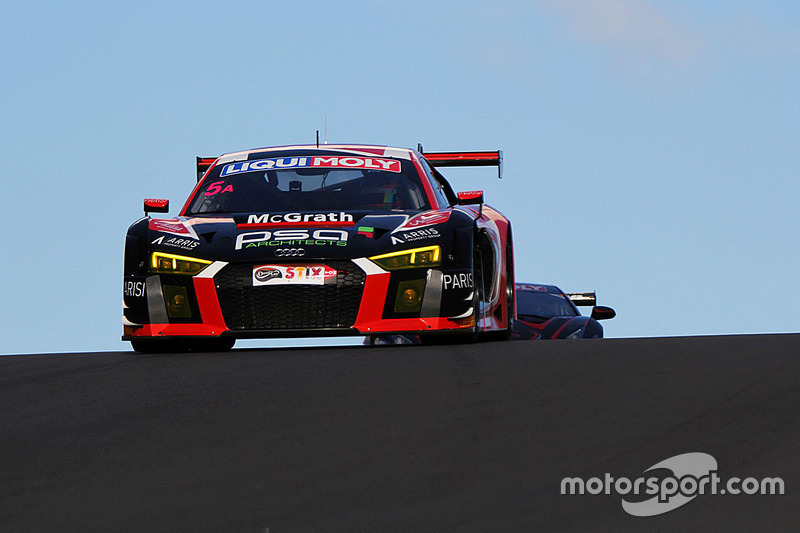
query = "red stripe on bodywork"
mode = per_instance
[
  {"x": 400, "y": 325},
  {"x": 567, "y": 323},
  {"x": 210, "y": 310},
  {"x": 371, "y": 309},
  {"x": 177, "y": 330}
]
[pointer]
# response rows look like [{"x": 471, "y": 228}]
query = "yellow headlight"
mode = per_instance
[
  {"x": 163, "y": 263},
  {"x": 429, "y": 256}
]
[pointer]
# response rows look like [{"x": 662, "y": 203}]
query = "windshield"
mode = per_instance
[
  {"x": 310, "y": 183},
  {"x": 543, "y": 304}
]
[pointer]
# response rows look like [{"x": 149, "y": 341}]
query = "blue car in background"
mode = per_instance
[{"x": 543, "y": 312}]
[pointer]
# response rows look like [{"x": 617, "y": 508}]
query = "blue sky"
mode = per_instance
[{"x": 650, "y": 146}]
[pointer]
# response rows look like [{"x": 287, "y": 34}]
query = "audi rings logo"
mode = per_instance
[{"x": 290, "y": 252}]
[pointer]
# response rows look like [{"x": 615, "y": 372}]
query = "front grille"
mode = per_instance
[{"x": 289, "y": 307}]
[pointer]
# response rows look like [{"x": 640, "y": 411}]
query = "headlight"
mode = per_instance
[
  {"x": 162, "y": 263},
  {"x": 429, "y": 256}
]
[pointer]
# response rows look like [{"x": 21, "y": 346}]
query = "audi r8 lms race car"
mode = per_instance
[
  {"x": 546, "y": 312},
  {"x": 320, "y": 240}
]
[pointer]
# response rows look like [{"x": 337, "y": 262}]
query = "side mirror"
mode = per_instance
[
  {"x": 470, "y": 198},
  {"x": 155, "y": 205},
  {"x": 601, "y": 312}
]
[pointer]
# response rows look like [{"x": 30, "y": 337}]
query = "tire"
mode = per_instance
[
  {"x": 211, "y": 344},
  {"x": 158, "y": 346}
]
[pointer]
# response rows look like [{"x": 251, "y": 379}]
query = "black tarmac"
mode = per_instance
[{"x": 406, "y": 438}]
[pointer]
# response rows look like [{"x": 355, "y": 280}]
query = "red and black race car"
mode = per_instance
[
  {"x": 320, "y": 240},
  {"x": 546, "y": 312}
]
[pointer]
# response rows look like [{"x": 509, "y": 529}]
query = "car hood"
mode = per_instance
[
  {"x": 559, "y": 327},
  {"x": 248, "y": 237}
]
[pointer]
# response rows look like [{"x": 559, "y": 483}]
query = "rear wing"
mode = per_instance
[
  {"x": 493, "y": 158},
  {"x": 203, "y": 164},
  {"x": 588, "y": 299}
]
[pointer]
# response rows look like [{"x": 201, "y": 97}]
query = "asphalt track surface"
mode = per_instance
[{"x": 407, "y": 438}]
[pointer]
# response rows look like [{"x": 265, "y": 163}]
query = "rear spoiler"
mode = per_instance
[
  {"x": 492, "y": 158},
  {"x": 203, "y": 164},
  {"x": 588, "y": 299}
]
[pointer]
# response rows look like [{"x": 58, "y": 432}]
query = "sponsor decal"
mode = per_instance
[
  {"x": 264, "y": 274},
  {"x": 173, "y": 227},
  {"x": 134, "y": 289},
  {"x": 690, "y": 475},
  {"x": 158, "y": 203},
  {"x": 291, "y": 237},
  {"x": 366, "y": 231},
  {"x": 177, "y": 242},
  {"x": 374, "y": 163},
  {"x": 292, "y": 275},
  {"x": 426, "y": 219},
  {"x": 168, "y": 226},
  {"x": 418, "y": 235},
  {"x": 267, "y": 220},
  {"x": 469, "y": 195},
  {"x": 529, "y": 287},
  {"x": 458, "y": 281},
  {"x": 217, "y": 188}
]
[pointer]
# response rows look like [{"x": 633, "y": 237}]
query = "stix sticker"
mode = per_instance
[
  {"x": 278, "y": 163},
  {"x": 292, "y": 275}
]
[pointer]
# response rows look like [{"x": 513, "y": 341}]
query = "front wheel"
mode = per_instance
[
  {"x": 212, "y": 344},
  {"x": 158, "y": 346},
  {"x": 200, "y": 344}
]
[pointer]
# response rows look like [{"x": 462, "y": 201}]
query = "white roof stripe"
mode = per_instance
[{"x": 355, "y": 149}]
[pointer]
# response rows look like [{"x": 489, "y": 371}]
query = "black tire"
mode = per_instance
[
  {"x": 212, "y": 344},
  {"x": 158, "y": 346}
]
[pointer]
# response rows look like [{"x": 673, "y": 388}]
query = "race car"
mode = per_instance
[
  {"x": 543, "y": 312},
  {"x": 546, "y": 312},
  {"x": 320, "y": 240}
]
